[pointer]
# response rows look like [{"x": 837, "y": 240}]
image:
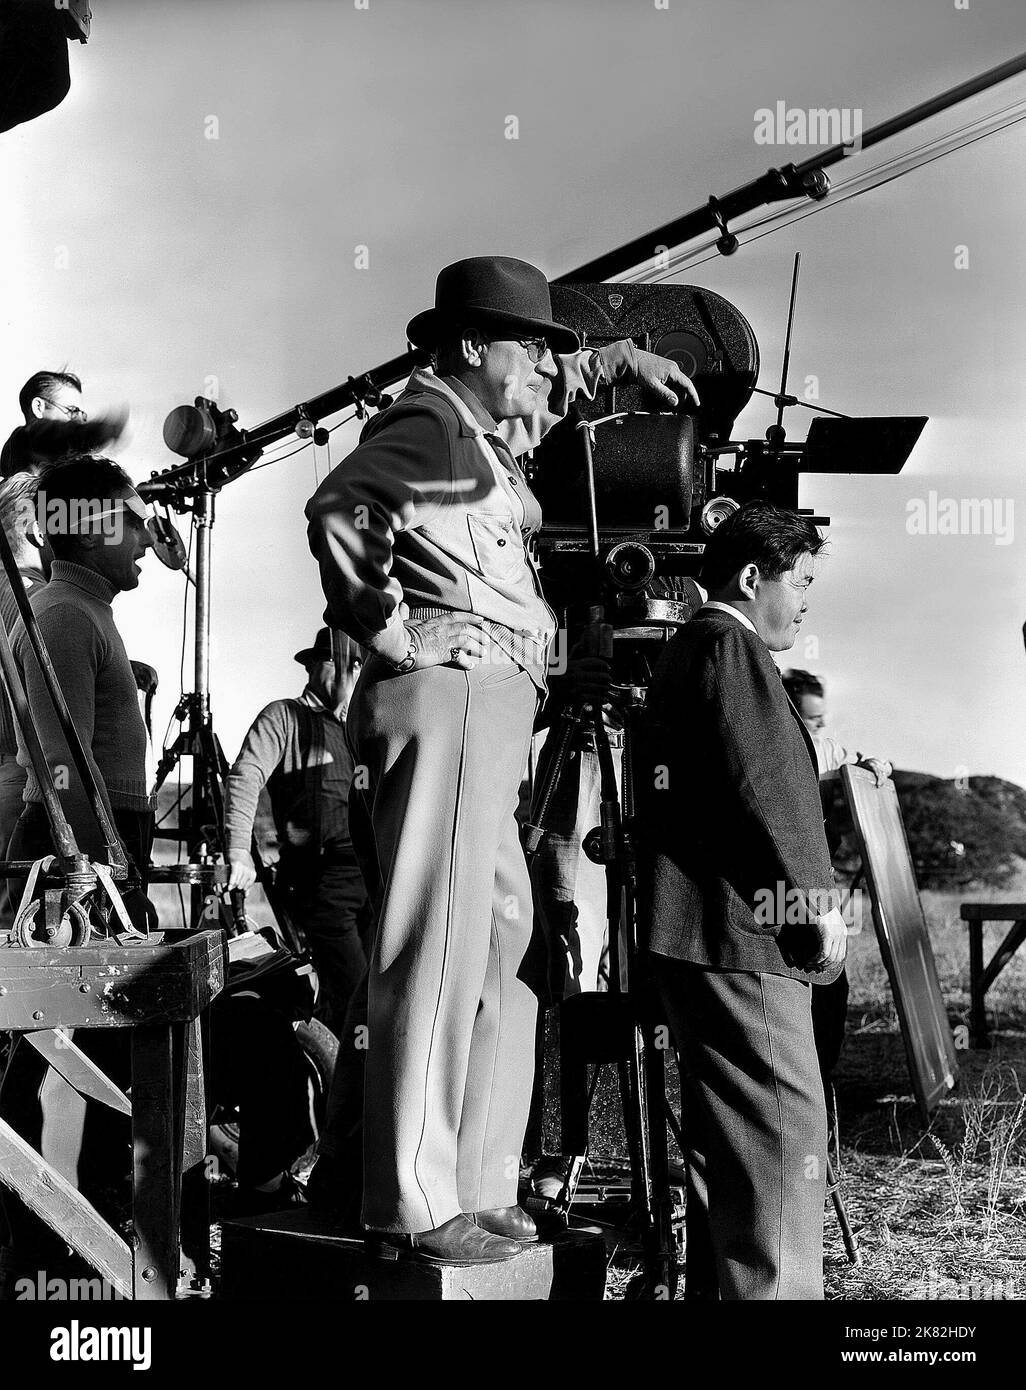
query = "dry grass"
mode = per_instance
[{"x": 939, "y": 1211}]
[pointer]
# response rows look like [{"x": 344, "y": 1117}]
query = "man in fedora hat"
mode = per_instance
[
  {"x": 297, "y": 749},
  {"x": 422, "y": 536}
]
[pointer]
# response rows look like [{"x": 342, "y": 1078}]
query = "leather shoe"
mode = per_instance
[
  {"x": 455, "y": 1242},
  {"x": 511, "y": 1222}
]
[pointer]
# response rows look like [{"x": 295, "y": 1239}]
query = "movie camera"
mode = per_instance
[{"x": 663, "y": 482}]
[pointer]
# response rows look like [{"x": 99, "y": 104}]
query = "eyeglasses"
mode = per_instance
[
  {"x": 74, "y": 412},
  {"x": 536, "y": 348}
]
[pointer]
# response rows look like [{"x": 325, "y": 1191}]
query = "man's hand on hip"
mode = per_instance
[{"x": 455, "y": 639}]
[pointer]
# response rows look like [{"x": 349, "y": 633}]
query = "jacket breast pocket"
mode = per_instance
[{"x": 498, "y": 548}]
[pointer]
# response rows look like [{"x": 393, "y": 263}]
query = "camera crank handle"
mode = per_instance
[{"x": 237, "y": 897}]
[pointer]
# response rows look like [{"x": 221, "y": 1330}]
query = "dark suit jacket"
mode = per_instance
[{"x": 729, "y": 806}]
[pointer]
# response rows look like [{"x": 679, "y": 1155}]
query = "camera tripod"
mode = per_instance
[
  {"x": 201, "y": 825},
  {"x": 619, "y": 1026}
]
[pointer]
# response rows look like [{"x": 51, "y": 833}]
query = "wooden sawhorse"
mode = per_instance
[
  {"x": 159, "y": 989},
  {"x": 981, "y": 977}
]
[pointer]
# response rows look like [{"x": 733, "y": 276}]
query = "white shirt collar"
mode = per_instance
[{"x": 734, "y": 613}]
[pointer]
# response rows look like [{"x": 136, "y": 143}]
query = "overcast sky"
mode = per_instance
[{"x": 160, "y": 263}]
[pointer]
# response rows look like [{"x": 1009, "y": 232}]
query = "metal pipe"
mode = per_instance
[
  {"x": 789, "y": 181},
  {"x": 204, "y": 525},
  {"x": 776, "y": 185}
]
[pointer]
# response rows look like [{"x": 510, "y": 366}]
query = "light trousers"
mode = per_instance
[{"x": 451, "y": 1014}]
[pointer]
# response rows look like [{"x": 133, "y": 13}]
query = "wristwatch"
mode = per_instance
[{"x": 410, "y": 659}]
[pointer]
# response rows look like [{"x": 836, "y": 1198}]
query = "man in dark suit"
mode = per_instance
[{"x": 742, "y": 914}]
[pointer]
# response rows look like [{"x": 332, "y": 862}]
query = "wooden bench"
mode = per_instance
[{"x": 981, "y": 977}]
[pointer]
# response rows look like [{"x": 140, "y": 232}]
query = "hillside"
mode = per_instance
[{"x": 960, "y": 834}]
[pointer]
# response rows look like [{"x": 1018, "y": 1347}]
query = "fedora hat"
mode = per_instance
[
  {"x": 320, "y": 651},
  {"x": 494, "y": 292}
]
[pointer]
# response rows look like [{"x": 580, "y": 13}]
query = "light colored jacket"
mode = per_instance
[{"x": 424, "y": 516}]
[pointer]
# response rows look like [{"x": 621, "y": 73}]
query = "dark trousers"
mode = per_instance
[
  {"x": 755, "y": 1131},
  {"x": 327, "y": 900},
  {"x": 829, "y": 1018},
  {"x": 341, "y": 1137}
]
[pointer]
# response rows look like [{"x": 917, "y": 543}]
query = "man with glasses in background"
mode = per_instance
[
  {"x": 422, "y": 535},
  {"x": 48, "y": 401}
]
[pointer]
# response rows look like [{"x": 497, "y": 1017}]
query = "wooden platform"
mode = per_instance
[{"x": 298, "y": 1256}]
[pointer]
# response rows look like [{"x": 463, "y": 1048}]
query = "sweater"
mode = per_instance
[{"x": 74, "y": 616}]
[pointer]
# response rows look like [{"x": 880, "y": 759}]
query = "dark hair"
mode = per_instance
[
  {"x": 42, "y": 384},
  {"x": 83, "y": 479},
  {"x": 758, "y": 533},
  {"x": 801, "y": 683}
]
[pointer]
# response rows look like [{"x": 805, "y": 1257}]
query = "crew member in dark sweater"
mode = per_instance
[
  {"x": 97, "y": 527},
  {"x": 298, "y": 749}
]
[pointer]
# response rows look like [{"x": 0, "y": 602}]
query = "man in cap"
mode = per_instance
[
  {"x": 422, "y": 535},
  {"x": 297, "y": 748}
]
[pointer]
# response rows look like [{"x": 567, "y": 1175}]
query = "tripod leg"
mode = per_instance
[
  {"x": 851, "y": 1247},
  {"x": 663, "y": 1253}
]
